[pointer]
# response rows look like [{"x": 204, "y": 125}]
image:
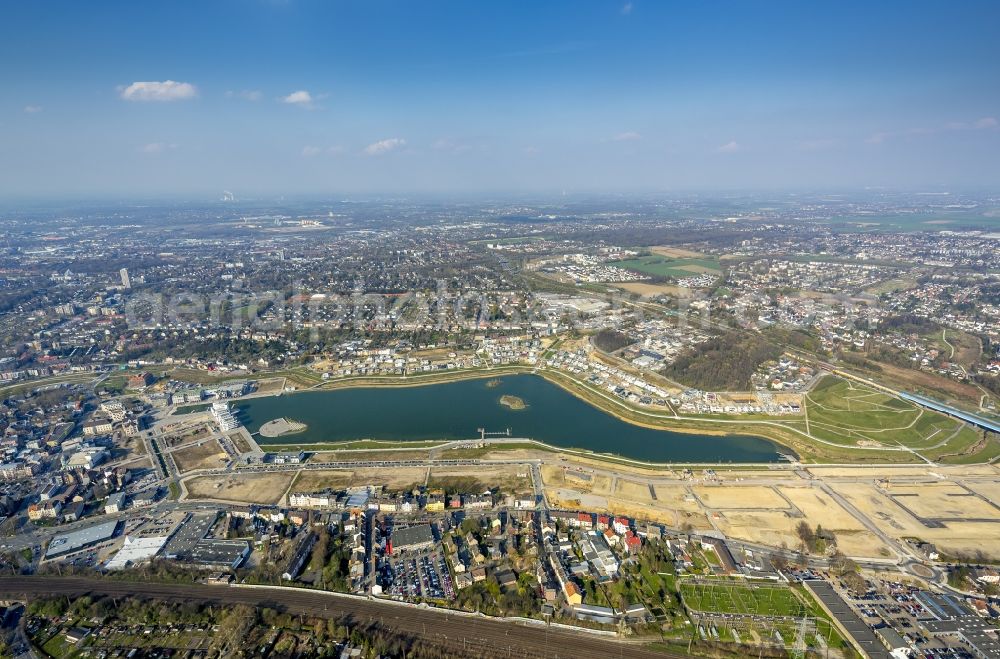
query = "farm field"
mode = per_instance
[{"x": 664, "y": 266}]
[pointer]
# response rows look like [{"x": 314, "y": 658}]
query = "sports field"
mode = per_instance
[
  {"x": 665, "y": 266},
  {"x": 848, "y": 413}
]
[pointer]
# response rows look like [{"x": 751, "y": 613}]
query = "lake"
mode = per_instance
[{"x": 456, "y": 410}]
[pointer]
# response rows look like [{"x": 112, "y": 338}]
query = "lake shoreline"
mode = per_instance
[{"x": 558, "y": 416}]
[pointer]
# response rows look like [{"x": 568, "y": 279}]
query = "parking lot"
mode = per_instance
[{"x": 422, "y": 575}]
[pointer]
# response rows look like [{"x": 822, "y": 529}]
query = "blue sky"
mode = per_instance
[{"x": 315, "y": 96}]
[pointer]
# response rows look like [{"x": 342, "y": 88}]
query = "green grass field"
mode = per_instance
[
  {"x": 664, "y": 266},
  {"x": 846, "y": 412},
  {"x": 723, "y": 597}
]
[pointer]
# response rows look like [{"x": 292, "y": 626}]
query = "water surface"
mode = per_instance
[{"x": 456, "y": 410}]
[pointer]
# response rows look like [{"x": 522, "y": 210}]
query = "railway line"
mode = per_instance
[{"x": 467, "y": 635}]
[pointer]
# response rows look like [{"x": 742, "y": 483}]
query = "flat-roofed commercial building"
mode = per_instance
[
  {"x": 413, "y": 538},
  {"x": 77, "y": 540}
]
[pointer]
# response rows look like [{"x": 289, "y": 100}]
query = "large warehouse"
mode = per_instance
[{"x": 77, "y": 540}]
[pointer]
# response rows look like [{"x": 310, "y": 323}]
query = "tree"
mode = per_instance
[{"x": 806, "y": 536}]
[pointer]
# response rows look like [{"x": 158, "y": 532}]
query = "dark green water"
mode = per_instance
[{"x": 456, "y": 410}]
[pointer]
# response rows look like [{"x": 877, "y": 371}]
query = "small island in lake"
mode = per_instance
[
  {"x": 512, "y": 402},
  {"x": 282, "y": 426},
  {"x": 494, "y": 383}
]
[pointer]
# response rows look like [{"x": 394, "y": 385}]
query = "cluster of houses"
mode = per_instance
[
  {"x": 115, "y": 415},
  {"x": 64, "y": 496},
  {"x": 627, "y": 386},
  {"x": 421, "y": 499}
]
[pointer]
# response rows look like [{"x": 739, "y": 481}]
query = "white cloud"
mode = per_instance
[
  {"x": 336, "y": 150},
  {"x": 627, "y": 9},
  {"x": 309, "y": 151},
  {"x": 245, "y": 94},
  {"x": 301, "y": 98},
  {"x": 385, "y": 146},
  {"x": 729, "y": 147},
  {"x": 531, "y": 150},
  {"x": 986, "y": 122},
  {"x": 627, "y": 136},
  {"x": 168, "y": 90},
  {"x": 156, "y": 147},
  {"x": 32, "y": 109}
]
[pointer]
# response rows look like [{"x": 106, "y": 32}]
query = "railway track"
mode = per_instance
[{"x": 466, "y": 635}]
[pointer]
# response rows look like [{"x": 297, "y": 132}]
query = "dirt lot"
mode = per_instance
[
  {"x": 676, "y": 497},
  {"x": 740, "y": 497},
  {"x": 942, "y": 500},
  {"x": 817, "y": 507},
  {"x": 203, "y": 456},
  {"x": 581, "y": 480},
  {"x": 561, "y": 497},
  {"x": 965, "y": 538},
  {"x": 270, "y": 386},
  {"x": 674, "y": 518},
  {"x": 633, "y": 491},
  {"x": 263, "y": 488},
  {"x": 989, "y": 490},
  {"x": 765, "y": 527},
  {"x": 511, "y": 479},
  {"x": 402, "y": 478},
  {"x": 568, "y": 488}
]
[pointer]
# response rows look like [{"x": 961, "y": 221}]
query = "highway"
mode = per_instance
[{"x": 468, "y": 635}]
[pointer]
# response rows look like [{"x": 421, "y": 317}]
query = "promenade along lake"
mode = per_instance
[{"x": 456, "y": 410}]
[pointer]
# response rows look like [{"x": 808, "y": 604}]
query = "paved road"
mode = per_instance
[{"x": 475, "y": 636}]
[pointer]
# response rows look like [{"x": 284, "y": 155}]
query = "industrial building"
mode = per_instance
[{"x": 77, "y": 540}]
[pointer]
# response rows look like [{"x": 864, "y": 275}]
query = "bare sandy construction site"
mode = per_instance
[
  {"x": 952, "y": 536},
  {"x": 740, "y": 496},
  {"x": 262, "y": 488},
  {"x": 206, "y": 455}
]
